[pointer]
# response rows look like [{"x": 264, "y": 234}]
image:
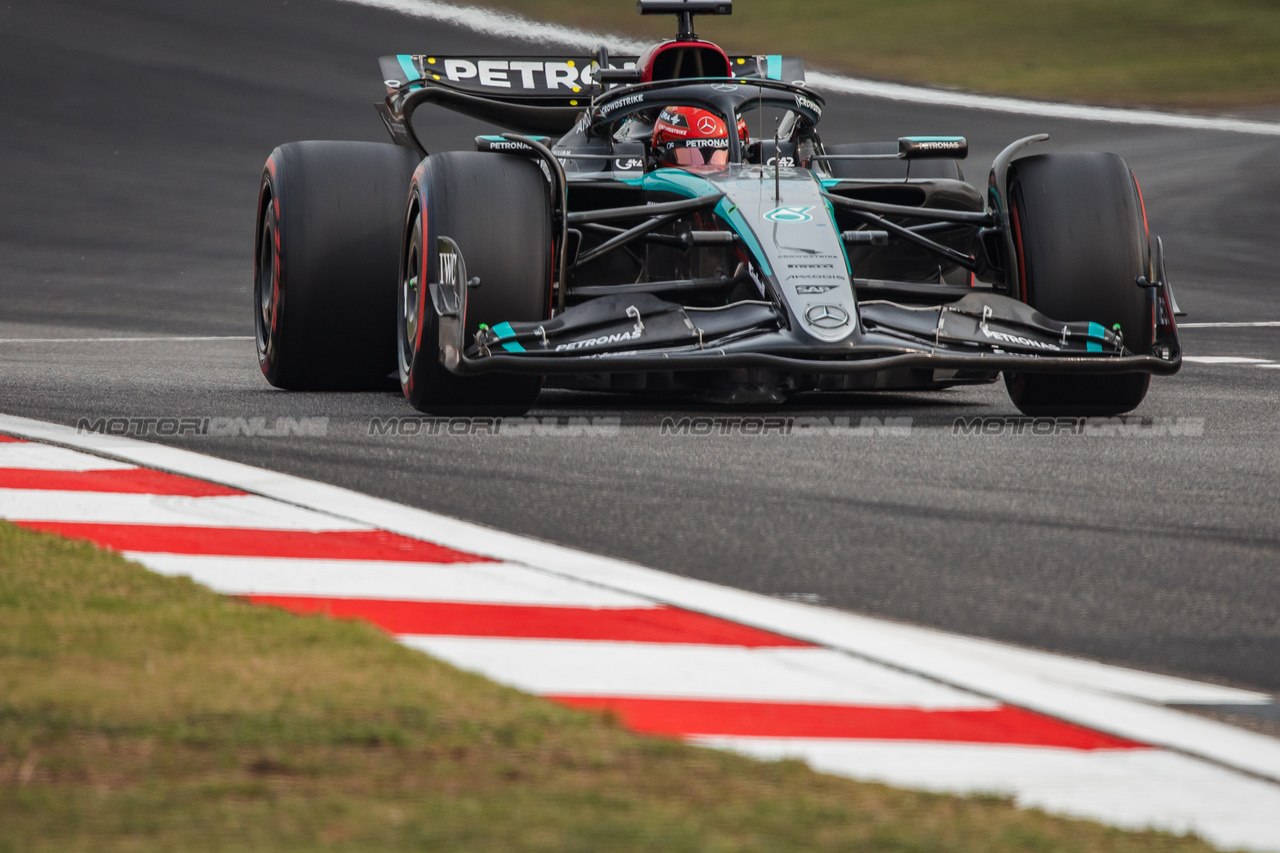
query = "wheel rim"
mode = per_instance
[
  {"x": 266, "y": 286},
  {"x": 410, "y": 300}
]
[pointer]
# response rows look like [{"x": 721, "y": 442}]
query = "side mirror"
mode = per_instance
[
  {"x": 684, "y": 7},
  {"x": 933, "y": 147},
  {"x": 619, "y": 76}
]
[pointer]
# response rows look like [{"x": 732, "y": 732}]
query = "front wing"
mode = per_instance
[{"x": 983, "y": 331}]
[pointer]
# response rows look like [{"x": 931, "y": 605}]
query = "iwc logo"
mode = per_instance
[
  {"x": 789, "y": 214},
  {"x": 827, "y": 316}
]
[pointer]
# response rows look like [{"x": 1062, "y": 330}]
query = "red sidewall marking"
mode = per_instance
[
  {"x": 422, "y": 280},
  {"x": 1017, "y": 237}
]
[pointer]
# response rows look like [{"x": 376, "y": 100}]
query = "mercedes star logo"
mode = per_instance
[
  {"x": 707, "y": 125},
  {"x": 827, "y": 316}
]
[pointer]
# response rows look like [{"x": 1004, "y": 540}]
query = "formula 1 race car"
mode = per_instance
[{"x": 630, "y": 232}]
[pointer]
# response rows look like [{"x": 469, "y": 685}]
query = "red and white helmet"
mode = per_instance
[{"x": 690, "y": 136}]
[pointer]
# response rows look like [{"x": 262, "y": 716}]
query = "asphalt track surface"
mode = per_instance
[{"x": 131, "y": 143}]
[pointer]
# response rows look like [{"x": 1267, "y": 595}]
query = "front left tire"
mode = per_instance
[
  {"x": 497, "y": 209},
  {"x": 1081, "y": 241}
]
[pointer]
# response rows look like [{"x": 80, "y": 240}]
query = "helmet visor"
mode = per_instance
[{"x": 699, "y": 156}]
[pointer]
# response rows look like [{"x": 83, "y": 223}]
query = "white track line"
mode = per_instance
[
  {"x": 1261, "y": 324},
  {"x": 123, "y": 340},
  {"x": 1103, "y": 678},
  {"x": 1226, "y": 359},
  {"x": 510, "y": 26},
  {"x": 933, "y": 654}
]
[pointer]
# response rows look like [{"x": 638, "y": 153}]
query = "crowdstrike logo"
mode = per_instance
[{"x": 807, "y": 103}]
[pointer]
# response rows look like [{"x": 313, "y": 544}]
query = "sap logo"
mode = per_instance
[{"x": 789, "y": 214}]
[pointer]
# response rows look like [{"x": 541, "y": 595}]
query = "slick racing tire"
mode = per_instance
[
  {"x": 497, "y": 209},
  {"x": 325, "y": 264},
  {"x": 1081, "y": 238},
  {"x": 888, "y": 170}
]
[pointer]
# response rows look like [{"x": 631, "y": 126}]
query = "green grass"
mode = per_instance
[
  {"x": 1179, "y": 53},
  {"x": 145, "y": 713}
]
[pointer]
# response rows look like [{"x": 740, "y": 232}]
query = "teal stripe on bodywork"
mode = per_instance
[
  {"x": 692, "y": 186},
  {"x": 494, "y": 137},
  {"x": 406, "y": 64},
  {"x": 1096, "y": 331},
  {"x": 675, "y": 181},
  {"x": 774, "y": 67},
  {"x": 934, "y": 138},
  {"x": 504, "y": 330}
]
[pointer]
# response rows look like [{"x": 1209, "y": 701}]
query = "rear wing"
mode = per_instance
[{"x": 564, "y": 81}]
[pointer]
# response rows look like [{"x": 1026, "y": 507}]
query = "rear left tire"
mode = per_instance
[{"x": 325, "y": 265}]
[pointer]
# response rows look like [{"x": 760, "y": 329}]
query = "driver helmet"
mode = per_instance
[{"x": 690, "y": 136}]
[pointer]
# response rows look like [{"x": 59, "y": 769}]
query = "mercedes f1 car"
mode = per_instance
[{"x": 673, "y": 222}]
